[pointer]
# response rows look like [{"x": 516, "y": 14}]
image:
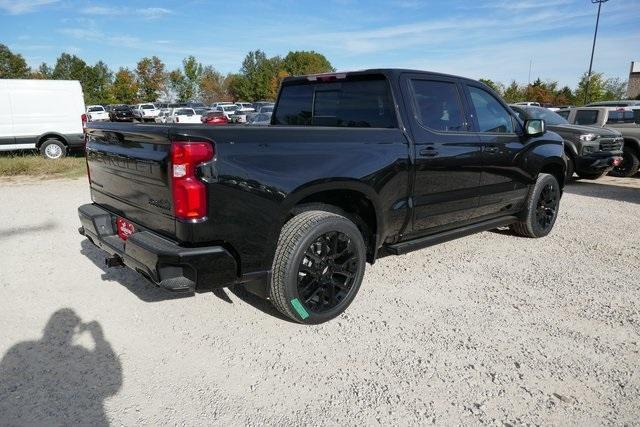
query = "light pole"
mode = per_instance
[{"x": 593, "y": 48}]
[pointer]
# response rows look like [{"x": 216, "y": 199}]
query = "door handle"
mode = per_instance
[
  {"x": 428, "y": 152},
  {"x": 492, "y": 149}
]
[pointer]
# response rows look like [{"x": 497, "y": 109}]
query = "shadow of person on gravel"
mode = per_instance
[
  {"x": 19, "y": 231},
  {"x": 138, "y": 285},
  {"x": 56, "y": 380}
]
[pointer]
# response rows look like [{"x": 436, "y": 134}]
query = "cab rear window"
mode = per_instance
[
  {"x": 362, "y": 101},
  {"x": 586, "y": 117}
]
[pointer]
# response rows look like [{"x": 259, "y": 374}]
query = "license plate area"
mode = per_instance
[{"x": 125, "y": 228}]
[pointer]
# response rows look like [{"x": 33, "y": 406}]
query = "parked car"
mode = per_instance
[
  {"x": 97, "y": 113},
  {"x": 214, "y": 118},
  {"x": 621, "y": 119},
  {"x": 219, "y": 104},
  {"x": 228, "y": 110},
  {"x": 590, "y": 152},
  {"x": 162, "y": 115},
  {"x": 293, "y": 211},
  {"x": 258, "y": 105},
  {"x": 146, "y": 112},
  {"x": 267, "y": 109},
  {"x": 260, "y": 119},
  {"x": 239, "y": 116},
  {"x": 120, "y": 113},
  {"x": 28, "y": 121},
  {"x": 616, "y": 103},
  {"x": 245, "y": 106},
  {"x": 528, "y": 103},
  {"x": 182, "y": 115}
]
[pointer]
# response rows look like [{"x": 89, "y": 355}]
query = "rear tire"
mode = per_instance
[
  {"x": 318, "y": 267},
  {"x": 629, "y": 166},
  {"x": 53, "y": 149},
  {"x": 541, "y": 208}
]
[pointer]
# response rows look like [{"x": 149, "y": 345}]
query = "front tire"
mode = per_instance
[
  {"x": 541, "y": 208},
  {"x": 318, "y": 267},
  {"x": 53, "y": 149}
]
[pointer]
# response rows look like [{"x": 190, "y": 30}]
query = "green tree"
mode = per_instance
[
  {"x": 92, "y": 80},
  {"x": 125, "y": 87},
  {"x": 306, "y": 62},
  {"x": 565, "y": 96},
  {"x": 597, "y": 89},
  {"x": 150, "y": 73},
  {"x": 498, "y": 87},
  {"x": 212, "y": 86},
  {"x": 179, "y": 86},
  {"x": 42, "y": 73},
  {"x": 12, "y": 65},
  {"x": 615, "y": 88},
  {"x": 192, "y": 71},
  {"x": 99, "y": 88},
  {"x": 513, "y": 92},
  {"x": 258, "y": 72}
]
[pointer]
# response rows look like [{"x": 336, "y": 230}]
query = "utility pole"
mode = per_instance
[{"x": 593, "y": 48}]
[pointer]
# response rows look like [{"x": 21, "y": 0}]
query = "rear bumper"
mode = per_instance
[{"x": 160, "y": 260}]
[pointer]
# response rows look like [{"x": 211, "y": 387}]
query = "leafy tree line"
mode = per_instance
[
  {"x": 259, "y": 77},
  {"x": 549, "y": 92}
]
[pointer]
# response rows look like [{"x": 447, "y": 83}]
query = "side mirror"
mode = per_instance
[{"x": 534, "y": 127}]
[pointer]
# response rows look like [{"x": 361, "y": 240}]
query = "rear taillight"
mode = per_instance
[
  {"x": 84, "y": 121},
  {"x": 189, "y": 193}
]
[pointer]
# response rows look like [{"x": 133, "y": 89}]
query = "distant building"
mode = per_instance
[{"x": 633, "y": 87}]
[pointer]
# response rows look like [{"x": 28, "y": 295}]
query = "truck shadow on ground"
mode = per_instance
[
  {"x": 135, "y": 283},
  {"x": 148, "y": 292},
  {"x": 604, "y": 191},
  {"x": 57, "y": 381}
]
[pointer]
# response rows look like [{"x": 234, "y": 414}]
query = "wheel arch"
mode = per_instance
[
  {"x": 51, "y": 135},
  {"x": 557, "y": 170},
  {"x": 355, "y": 199}
]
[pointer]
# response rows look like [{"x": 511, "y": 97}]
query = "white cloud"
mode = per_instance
[
  {"x": 154, "y": 12},
  {"x": 17, "y": 7},
  {"x": 146, "y": 13}
]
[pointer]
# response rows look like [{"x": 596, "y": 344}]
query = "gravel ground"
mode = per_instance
[{"x": 490, "y": 329}]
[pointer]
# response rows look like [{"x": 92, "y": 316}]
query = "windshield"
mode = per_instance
[
  {"x": 184, "y": 112},
  {"x": 229, "y": 107},
  {"x": 121, "y": 108},
  {"x": 545, "y": 114},
  {"x": 148, "y": 107},
  {"x": 94, "y": 109}
]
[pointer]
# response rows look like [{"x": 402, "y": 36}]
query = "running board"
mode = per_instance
[{"x": 423, "y": 242}]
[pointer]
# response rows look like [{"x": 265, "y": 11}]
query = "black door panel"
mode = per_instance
[{"x": 447, "y": 157}]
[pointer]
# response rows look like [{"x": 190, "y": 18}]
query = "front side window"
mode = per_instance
[
  {"x": 586, "y": 117},
  {"x": 491, "y": 115},
  {"x": 361, "y": 101},
  {"x": 438, "y": 105}
]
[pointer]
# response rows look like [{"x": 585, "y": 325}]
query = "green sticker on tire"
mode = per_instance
[{"x": 297, "y": 306}]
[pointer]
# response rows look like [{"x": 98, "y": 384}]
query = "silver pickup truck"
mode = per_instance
[{"x": 622, "y": 119}]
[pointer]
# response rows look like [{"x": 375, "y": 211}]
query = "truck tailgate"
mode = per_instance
[{"x": 129, "y": 174}]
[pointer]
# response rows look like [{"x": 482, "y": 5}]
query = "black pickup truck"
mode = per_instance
[{"x": 354, "y": 166}]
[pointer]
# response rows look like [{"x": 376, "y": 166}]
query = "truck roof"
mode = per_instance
[{"x": 387, "y": 72}]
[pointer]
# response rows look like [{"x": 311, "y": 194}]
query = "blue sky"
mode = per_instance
[{"x": 493, "y": 38}]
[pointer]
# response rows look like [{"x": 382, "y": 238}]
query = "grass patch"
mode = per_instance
[{"x": 35, "y": 165}]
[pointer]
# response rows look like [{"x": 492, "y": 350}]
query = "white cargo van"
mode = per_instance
[{"x": 47, "y": 115}]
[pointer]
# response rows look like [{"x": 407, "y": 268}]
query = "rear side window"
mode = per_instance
[
  {"x": 438, "y": 105},
  {"x": 492, "y": 116},
  {"x": 357, "y": 102},
  {"x": 625, "y": 116},
  {"x": 586, "y": 117}
]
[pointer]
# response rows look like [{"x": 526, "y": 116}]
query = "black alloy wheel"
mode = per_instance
[
  {"x": 547, "y": 206},
  {"x": 327, "y": 272}
]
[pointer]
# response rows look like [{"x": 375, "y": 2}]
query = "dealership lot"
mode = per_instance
[{"x": 527, "y": 331}]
